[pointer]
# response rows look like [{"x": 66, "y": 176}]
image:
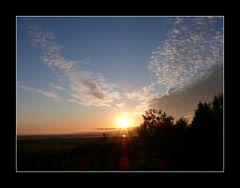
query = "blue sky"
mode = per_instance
[
  {"x": 110, "y": 45},
  {"x": 109, "y": 64}
]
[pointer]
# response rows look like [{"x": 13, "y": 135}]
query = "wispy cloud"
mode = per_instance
[
  {"x": 86, "y": 87},
  {"x": 56, "y": 86},
  {"x": 120, "y": 105},
  {"x": 45, "y": 93},
  {"x": 143, "y": 97},
  {"x": 20, "y": 85},
  {"x": 48, "y": 94}
]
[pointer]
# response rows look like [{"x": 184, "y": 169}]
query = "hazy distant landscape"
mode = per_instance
[{"x": 91, "y": 134}]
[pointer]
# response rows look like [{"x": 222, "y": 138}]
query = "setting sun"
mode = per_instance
[{"x": 123, "y": 122}]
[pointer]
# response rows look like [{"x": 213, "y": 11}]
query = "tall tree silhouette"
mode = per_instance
[
  {"x": 181, "y": 124},
  {"x": 205, "y": 138},
  {"x": 154, "y": 120},
  {"x": 157, "y": 133},
  {"x": 217, "y": 109},
  {"x": 217, "y": 131},
  {"x": 208, "y": 116}
]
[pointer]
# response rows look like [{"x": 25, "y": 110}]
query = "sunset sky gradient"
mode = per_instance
[{"x": 84, "y": 73}]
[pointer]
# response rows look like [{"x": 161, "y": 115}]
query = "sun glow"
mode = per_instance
[{"x": 123, "y": 122}]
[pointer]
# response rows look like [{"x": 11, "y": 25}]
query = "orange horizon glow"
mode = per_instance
[{"x": 74, "y": 126}]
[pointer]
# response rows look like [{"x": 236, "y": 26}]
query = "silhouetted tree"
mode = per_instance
[
  {"x": 217, "y": 109},
  {"x": 205, "y": 138},
  {"x": 217, "y": 131},
  {"x": 157, "y": 132},
  {"x": 181, "y": 124},
  {"x": 217, "y": 104},
  {"x": 203, "y": 117},
  {"x": 154, "y": 120},
  {"x": 208, "y": 116}
]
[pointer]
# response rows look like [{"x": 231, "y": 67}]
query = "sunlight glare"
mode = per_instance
[{"x": 123, "y": 122}]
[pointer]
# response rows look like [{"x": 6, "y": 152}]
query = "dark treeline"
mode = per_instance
[
  {"x": 160, "y": 145},
  {"x": 183, "y": 146}
]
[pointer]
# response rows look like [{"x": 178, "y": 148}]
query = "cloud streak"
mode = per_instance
[
  {"x": 45, "y": 93},
  {"x": 86, "y": 87},
  {"x": 56, "y": 86},
  {"x": 143, "y": 97},
  {"x": 120, "y": 105}
]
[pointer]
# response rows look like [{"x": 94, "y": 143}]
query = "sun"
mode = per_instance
[{"x": 123, "y": 122}]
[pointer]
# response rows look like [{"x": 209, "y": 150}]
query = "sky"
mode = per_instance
[{"x": 84, "y": 73}]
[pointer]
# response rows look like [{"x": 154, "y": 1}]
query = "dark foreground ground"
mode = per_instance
[
  {"x": 80, "y": 154},
  {"x": 108, "y": 154}
]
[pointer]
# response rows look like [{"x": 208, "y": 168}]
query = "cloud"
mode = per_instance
[
  {"x": 193, "y": 47},
  {"x": 120, "y": 105},
  {"x": 45, "y": 93},
  {"x": 48, "y": 94},
  {"x": 89, "y": 88},
  {"x": 20, "y": 85},
  {"x": 56, "y": 86},
  {"x": 86, "y": 87},
  {"x": 180, "y": 104},
  {"x": 143, "y": 97}
]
